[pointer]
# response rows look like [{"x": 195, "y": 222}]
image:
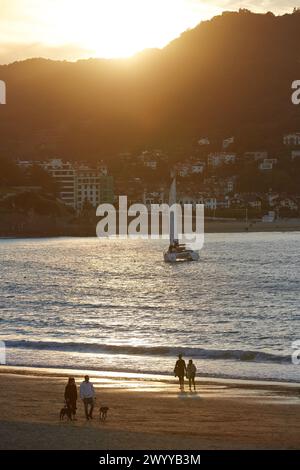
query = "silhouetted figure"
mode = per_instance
[
  {"x": 87, "y": 395},
  {"x": 180, "y": 371},
  {"x": 71, "y": 396},
  {"x": 191, "y": 374}
]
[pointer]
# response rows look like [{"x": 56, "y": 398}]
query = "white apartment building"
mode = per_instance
[
  {"x": 292, "y": 139},
  {"x": 151, "y": 164},
  {"x": 192, "y": 200},
  {"x": 87, "y": 186},
  {"x": 197, "y": 167},
  {"x": 226, "y": 185},
  {"x": 295, "y": 154},
  {"x": 220, "y": 158},
  {"x": 64, "y": 174},
  {"x": 183, "y": 169},
  {"x": 269, "y": 217},
  {"x": 210, "y": 203},
  {"x": 204, "y": 141},
  {"x": 78, "y": 182},
  {"x": 288, "y": 203},
  {"x": 267, "y": 164},
  {"x": 154, "y": 197},
  {"x": 190, "y": 168},
  {"x": 151, "y": 158},
  {"x": 231, "y": 184}
]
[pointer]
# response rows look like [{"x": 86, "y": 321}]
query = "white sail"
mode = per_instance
[
  {"x": 176, "y": 251},
  {"x": 173, "y": 218},
  {"x": 172, "y": 193}
]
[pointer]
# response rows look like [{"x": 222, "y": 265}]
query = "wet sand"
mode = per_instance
[{"x": 148, "y": 413}]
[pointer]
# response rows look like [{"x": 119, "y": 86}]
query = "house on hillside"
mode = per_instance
[
  {"x": 210, "y": 203},
  {"x": 288, "y": 203},
  {"x": 255, "y": 156},
  {"x": 223, "y": 203},
  {"x": 183, "y": 169},
  {"x": 267, "y": 164},
  {"x": 197, "y": 167},
  {"x": 238, "y": 201},
  {"x": 220, "y": 158},
  {"x": 226, "y": 185},
  {"x": 189, "y": 168},
  {"x": 269, "y": 217},
  {"x": 292, "y": 139},
  {"x": 295, "y": 154},
  {"x": 153, "y": 197},
  {"x": 151, "y": 158},
  {"x": 253, "y": 201},
  {"x": 204, "y": 141}
]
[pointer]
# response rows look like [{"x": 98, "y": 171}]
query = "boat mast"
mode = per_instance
[{"x": 172, "y": 201}]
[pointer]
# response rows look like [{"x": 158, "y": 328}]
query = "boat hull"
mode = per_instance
[{"x": 173, "y": 257}]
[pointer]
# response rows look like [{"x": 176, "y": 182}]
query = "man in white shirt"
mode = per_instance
[{"x": 87, "y": 395}]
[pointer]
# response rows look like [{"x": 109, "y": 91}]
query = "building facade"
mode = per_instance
[
  {"x": 79, "y": 183},
  {"x": 221, "y": 158},
  {"x": 267, "y": 164},
  {"x": 292, "y": 139},
  {"x": 64, "y": 174},
  {"x": 92, "y": 186}
]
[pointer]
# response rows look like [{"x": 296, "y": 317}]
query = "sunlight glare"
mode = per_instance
[{"x": 120, "y": 28}]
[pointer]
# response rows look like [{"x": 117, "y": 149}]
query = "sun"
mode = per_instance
[{"x": 120, "y": 28}]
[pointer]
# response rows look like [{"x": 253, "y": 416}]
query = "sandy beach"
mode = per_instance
[
  {"x": 240, "y": 226},
  {"x": 147, "y": 413}
]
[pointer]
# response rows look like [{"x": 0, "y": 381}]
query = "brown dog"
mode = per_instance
[
  {"x": 65, "y": 411},
  {"x": 103, "y": 413}
]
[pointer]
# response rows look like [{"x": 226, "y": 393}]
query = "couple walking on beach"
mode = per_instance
[
  {"x": 87, "y": 395},
  {"x": 182, "y": 370}
]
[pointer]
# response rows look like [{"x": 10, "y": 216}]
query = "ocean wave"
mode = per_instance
[{"x": 200, "y": 353}]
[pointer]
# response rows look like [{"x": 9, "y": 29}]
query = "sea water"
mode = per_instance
[{"x": 115, "y": 305}]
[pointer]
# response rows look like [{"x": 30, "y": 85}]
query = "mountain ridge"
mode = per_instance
[{"x": 228, "y": 75}]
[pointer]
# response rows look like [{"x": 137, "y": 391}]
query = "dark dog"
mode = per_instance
[
  {"x": 103, "y": 413},
  {"x": 65, "y": 411}
]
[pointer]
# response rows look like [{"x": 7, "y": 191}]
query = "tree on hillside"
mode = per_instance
[
  {"x": 37, "y": 176},
  {"x": 10, "y": 174}
]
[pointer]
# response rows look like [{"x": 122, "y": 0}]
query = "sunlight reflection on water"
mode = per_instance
[{"x": 70, "y": 295}]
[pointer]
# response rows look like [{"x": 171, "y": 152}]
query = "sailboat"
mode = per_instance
[{"x": 177, "y": 251}]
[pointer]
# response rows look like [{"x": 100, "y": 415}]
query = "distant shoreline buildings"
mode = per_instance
[
  {"x": 219, "y": 179},
  {"x": 79, "y": 183}
]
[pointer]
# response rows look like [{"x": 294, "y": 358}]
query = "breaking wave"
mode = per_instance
[{"x": 201, "y": 353}]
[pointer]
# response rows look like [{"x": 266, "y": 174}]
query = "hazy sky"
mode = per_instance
[{"x": 74, "y": 29}]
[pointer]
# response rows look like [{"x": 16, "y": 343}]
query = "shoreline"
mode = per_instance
[
  {"x": 114, "y": 375},
  {"x": 210, "y": 226},
  {"x": 148, "y": 414}
]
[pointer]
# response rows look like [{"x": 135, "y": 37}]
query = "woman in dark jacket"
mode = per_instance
[{"x": 71, "y": 396}]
